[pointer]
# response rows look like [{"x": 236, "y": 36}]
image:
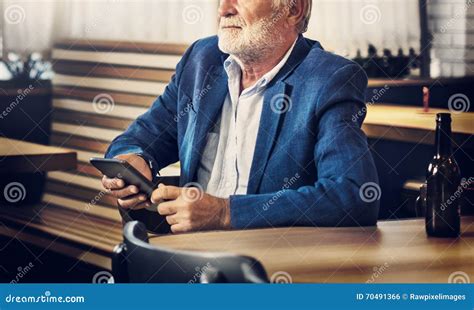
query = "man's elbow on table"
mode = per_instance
[
  {"x": 361, "y": 210},
  {"x": 348, "y": 204},
  {"x": 325, "y": 204}
]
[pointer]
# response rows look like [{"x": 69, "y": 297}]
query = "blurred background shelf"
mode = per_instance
[
  {"x": 414, "y": 125},
  {"x": 21, "y": 156}
]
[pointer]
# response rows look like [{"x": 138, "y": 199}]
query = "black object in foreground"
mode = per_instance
[
  {"x": 443, "y": 214},
  {"x": 137, "y": 261}
]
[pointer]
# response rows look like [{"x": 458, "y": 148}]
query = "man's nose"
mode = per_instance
[{"x": 227, "y": 8}]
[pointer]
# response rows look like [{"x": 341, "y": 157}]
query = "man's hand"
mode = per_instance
[
  {"x": 190, "y": 209},
  {"x": 128, "y": 197}
]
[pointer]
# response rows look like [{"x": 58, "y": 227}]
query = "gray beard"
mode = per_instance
[{"x": 251, "y": 47}]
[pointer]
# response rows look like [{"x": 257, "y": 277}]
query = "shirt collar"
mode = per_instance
[{"x": 234, "y": 71}]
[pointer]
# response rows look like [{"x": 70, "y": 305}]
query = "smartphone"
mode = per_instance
[{"x": 121, "y": 169}]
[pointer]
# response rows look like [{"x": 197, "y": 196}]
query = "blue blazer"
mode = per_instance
[{"x": 311, "y": 161}]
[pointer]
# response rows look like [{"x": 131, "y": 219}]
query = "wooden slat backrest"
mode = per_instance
[{"x": 127, "y": 77}]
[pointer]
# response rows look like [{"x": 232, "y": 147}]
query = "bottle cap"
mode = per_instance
[{"x": 443, "y": 117}]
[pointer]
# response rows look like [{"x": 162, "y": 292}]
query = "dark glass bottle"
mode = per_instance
[{"x": 443, "y": 217}]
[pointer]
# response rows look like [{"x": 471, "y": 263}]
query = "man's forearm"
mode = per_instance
[{"x": 321, "y": 205}]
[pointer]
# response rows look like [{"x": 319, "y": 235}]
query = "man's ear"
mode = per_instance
[{"x": 296, "y": 9}]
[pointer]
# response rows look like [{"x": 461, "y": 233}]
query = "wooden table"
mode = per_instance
[
  {"x": 395, "y": 251},
  {"x": 417, "y": 82},
  {"x": 20, "y": 156},
  {"x": 411, "y": 124}
]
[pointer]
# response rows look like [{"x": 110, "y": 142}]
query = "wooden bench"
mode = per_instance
[{"x": 99, "y": 88}]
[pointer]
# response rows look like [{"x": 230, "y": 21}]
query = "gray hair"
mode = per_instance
[{"x": 302, "y": 27}]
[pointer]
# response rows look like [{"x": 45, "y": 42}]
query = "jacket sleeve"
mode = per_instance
[
  {"x": 153, "y": 135},
  {"x": 346, "y": 191}
]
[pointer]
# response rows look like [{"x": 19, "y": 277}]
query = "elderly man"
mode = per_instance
[{"x": 261, "y": 120}]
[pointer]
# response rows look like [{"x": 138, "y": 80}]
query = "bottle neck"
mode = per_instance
[{"x": 443, "y": 139}]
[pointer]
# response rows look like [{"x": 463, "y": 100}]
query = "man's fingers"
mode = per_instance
[
  {"x": 164, "y": 192},
  {"x": 125, "y": 192},
  {"x": 115, "y": 183},
  {"x": 167, "y": 208},
  {"x": 180, "y": 228},
  {"x": 143, "y": 205},
  {"x": 172, "y": 219},
  {"x": 132, "y": 202}
]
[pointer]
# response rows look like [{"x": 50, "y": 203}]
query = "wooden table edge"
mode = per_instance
[{"x": 38, "y": 163}]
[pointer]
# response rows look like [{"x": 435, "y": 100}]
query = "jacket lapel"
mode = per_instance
[
  {"x": 208, "y": 105},
  {"x": 276, "y": 103}
]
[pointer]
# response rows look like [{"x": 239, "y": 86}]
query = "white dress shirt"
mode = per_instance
[{"x": 224, "y": 168}]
